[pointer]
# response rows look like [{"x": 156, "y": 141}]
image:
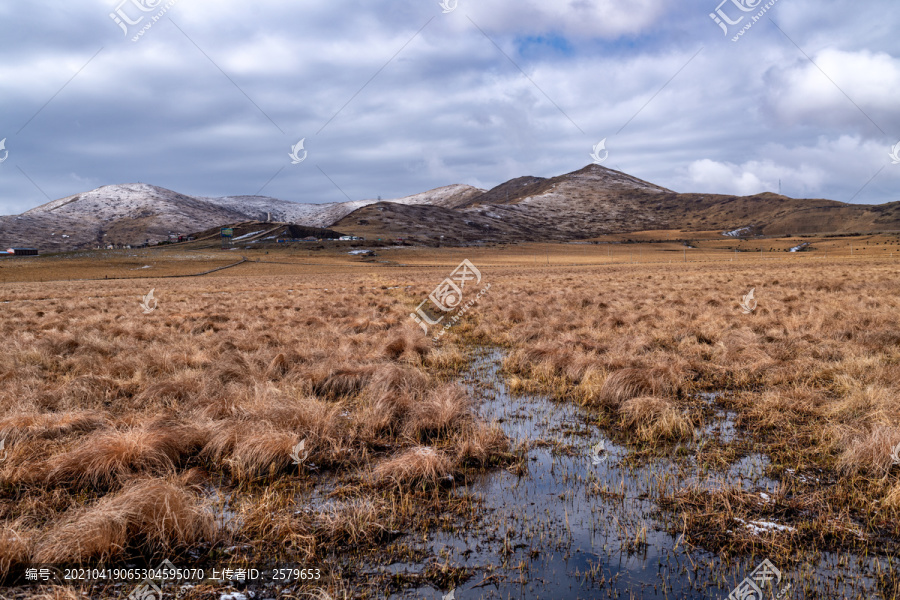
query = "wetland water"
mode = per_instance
[{"x": 583, "y": 524}]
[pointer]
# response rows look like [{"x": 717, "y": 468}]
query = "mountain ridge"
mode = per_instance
[{"x": 583, "y": 204}]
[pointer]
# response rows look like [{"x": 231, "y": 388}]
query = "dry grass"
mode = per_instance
[
  {"x": 157, "y": 514},
  {"x": 655, "y": 419},
  {"x": 114, "y": 421},
  {"x": 354, "y": 522},
  {"x": 49, "y": 426},
  {"x": 441, "y": 411},
  {"x": 105, "y": 459},
  {"x": 230, "y": 373},
  {"x": 270, "y": 519},
  {"x": 420, "y": 467},
  {"x": 480, "y": 445},
  {"x": 812, "y": 374},
  {"x": 15, "y": 546},
  {"x": 57, "y": 592},
  {"x": 868, "y": 451}
]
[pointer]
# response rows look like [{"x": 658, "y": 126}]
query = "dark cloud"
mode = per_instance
[{"x": 211, "y": 98}]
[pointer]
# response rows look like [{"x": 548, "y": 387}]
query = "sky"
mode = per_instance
[{"x": 212, "y": 97}]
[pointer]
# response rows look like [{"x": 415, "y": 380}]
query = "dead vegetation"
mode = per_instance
[
  {"x": 811, "y": 374},
  {"x": 201, "y": 404},
  {"x": 205, "y": 425}
]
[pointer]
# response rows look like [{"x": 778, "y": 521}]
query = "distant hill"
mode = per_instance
[
  {"x": 594, "y": 201},
  {"x": 586, "y": 203},
  {"x": 133, "y": 214}
]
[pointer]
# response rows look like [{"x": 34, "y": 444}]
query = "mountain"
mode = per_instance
[
  {"x": 125, "y": 214},
  {"x": 262, "y": 208},
  {"x": 137, "y": 213},
  {"x": 586, "y": 203},
  {"x": 594, "y": 201},
  {"x": 580, "y": 205}
]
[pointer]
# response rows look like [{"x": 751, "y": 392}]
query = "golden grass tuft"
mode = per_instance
[
  {"x": 438, "y": 413},
  {"x": 272, "y": 518},
  {"x": 352, "y": 522},
  {"x": 628, "y": 383},
  {"x": 447, "y": 358},
  {"x": 49, "y": 426},
  {"x": 655, "y": 419},
  {"x": 892, "y": 499},
  {"x": 480, "y": 445},
  {"x": 15, "y": 547},
  {"x": 147, "y": 516},
  {"x": 106, "y": 458},
  {"x": 57, "y": 592},
  {"x": 345, "y": 381},
  {"x": 420, "y": 467},
  {"x": 406, "y": 345},
  {"x": 867, "y": 451},
  {"x": 249, "y": 449}
]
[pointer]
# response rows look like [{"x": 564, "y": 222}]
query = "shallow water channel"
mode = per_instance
[{"x": 583, "y": 524}]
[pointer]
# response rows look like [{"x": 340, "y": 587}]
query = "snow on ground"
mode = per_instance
[
  {"x": 759, "y": 527},
  {"x": 108, "y": 201},
  {"x": 324, "y": 215},
  {"x": 737, "y": 232},
  {"x": 439, "y": 196},
  {"x": 112, "y": 203}
]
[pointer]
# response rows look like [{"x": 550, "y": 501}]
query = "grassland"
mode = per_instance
[{"x": 133, "y": 437}]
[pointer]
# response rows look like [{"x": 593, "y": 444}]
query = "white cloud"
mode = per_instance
[
  {"x": 725, "y": 178},
  {"x": 804, "y": 93},
  {"x": 834, "y": 168},
  {"x": 449, "y": 107},
  {"x": 582, "y": 18}
]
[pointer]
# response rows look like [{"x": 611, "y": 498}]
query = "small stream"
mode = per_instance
[{"x": 583, "y": 524}]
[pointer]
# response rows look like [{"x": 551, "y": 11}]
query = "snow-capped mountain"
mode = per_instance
[{"x": 137, "y": 213}]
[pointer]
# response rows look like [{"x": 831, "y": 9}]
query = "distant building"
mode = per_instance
[{"x": 22, "y": 251}]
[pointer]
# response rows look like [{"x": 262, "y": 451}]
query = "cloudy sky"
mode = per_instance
[{"x": 394, "y": 98}]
